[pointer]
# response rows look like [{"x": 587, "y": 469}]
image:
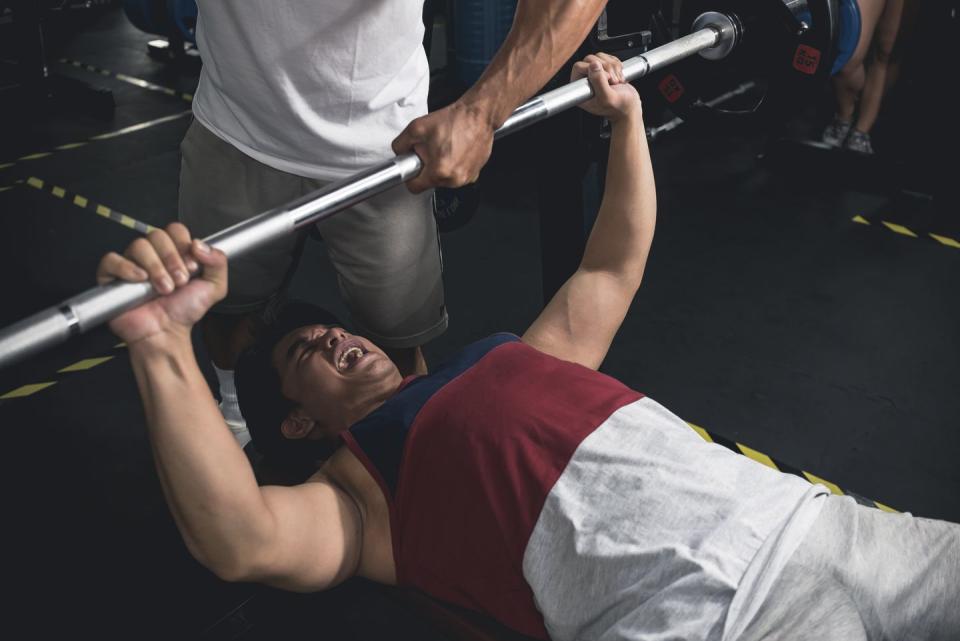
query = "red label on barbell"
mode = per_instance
[
  {"x": 807, "y": 59},
  {"x": 671, "y": 88}
]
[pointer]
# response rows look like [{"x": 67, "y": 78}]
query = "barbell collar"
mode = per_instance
[{"x": 729, "y": 31}]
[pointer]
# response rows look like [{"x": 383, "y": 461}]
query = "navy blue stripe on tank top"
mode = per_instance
[{"x": 382, "y": 434}]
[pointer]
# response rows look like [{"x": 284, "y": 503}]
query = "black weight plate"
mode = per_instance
[{"x": 781, "y": 53}]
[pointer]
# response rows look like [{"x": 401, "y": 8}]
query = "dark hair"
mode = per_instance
[{"x": 263, "y": 405}]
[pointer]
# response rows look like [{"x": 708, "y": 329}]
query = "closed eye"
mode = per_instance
[
  {"x": 303, "y": 342},
  {"x": 292, "y": 350},
  {"x": 308, "y": 348}
]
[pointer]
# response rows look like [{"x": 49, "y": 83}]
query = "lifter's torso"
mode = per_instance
[{"x": 513, "y": 483}]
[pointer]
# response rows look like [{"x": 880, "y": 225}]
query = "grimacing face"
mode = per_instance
[{"x": 334, "y": 377}]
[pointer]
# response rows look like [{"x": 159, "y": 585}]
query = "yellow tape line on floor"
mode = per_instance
[
  {"x": 138, "y": 82},
  {"x": 902, "y": 230},
  {"x": 76, "y": 145},
  {"x": 27, "y": 390},
  {"x": 85, "y": 203},
  {"x": 85, "y": 364},
  {"x": 80, "y": 366},
  {"x": 944, "y": 240}
]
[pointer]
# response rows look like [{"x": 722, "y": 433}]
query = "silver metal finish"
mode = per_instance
[
  {"x": 34, "y": 333},
  {"x": 681, "y": 48},
  {"x": 98, "y": 305},
  {"x": 729, "y": 33},
  {"x": 574, "y": 93}
]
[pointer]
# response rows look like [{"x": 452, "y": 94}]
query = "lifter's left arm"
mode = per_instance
[
  {"x": 303, "y": 537},
  {"x": 454, "y": 143}
]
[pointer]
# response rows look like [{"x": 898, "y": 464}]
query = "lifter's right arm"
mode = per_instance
[
  {"x": 581, "y": 320},
  {"x": 305, "y": 537}
]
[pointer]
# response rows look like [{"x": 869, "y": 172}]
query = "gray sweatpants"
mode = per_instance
[
  {"x": 863, "y": 574},
  {"x": 385, "y": 250}
]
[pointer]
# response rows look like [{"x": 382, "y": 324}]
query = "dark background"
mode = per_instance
[{"x": 767, "y": 316}]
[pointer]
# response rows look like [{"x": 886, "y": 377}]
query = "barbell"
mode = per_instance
[{"x": 787, "y": 53}]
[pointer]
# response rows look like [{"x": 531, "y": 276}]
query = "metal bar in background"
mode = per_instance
[{"x": 670, "y": 125}]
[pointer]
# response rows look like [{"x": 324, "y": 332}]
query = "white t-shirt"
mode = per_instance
[{"x": 317, "y": 88}]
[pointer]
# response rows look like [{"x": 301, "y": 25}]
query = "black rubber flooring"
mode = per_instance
[{"x": 768, "y": 316}]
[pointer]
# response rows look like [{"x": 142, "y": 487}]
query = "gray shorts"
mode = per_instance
[
  {"x": 865, "y": 574},
  {"x": 385, "y": 250}
]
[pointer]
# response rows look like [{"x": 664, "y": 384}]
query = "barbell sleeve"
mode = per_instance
[{"x": 98, "y": 305}]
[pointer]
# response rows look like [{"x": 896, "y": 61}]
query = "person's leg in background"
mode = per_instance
[
  {"x": 386, "y": 252},
  {"x": 220, "y": 186},
  {"x": 849, "y": 82},
  {"x": 875, "y": 83}
]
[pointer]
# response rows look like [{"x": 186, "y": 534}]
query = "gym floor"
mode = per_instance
[{"x": 778, "y": 313}]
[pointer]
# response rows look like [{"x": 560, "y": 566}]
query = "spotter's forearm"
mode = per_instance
[{"x": 545, "y": 34}]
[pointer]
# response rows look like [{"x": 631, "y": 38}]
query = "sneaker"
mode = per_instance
[
  {"x": 836, "y": 132},
  {"x": 230, "y": 406},
  {"x": 859, "y": 142},
  {"x": 231, "y": 414}
]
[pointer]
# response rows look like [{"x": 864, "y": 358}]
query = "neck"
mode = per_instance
[{"x": 368, "y": 404}]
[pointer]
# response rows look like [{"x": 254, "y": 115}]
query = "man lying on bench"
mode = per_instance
[{"x": 516, "y": 480}]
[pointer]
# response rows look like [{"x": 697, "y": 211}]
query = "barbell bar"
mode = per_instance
[{"x": 718, "y": 32}]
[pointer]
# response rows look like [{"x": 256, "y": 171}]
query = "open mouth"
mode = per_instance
[{"x": 349, "y": 354}]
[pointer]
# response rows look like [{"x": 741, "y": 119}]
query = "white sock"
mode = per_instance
[{"x": 230, "y": 406}]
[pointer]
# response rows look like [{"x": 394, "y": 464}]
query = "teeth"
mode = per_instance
[{"x": 348, "y": 357}]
